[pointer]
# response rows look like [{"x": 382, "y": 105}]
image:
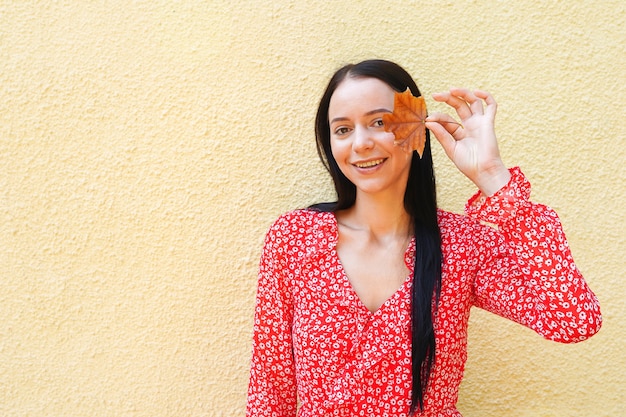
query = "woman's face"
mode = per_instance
[{"x": 364, "y": 152}]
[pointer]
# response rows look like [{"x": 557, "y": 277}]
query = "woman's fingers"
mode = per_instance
[
  {"x": 467, "y": 102},
  {"x": 492, "y": 106},
  {"x": 444, "y": 122},
  {"x": 461, "y": 106},
  {"x": 475, "y": 103},
  {"x": 446, "y": 130}
]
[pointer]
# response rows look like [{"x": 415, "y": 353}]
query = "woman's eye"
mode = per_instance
[
  {"x": 341, "y": 131},
  {"x": 379, "y": 123}
]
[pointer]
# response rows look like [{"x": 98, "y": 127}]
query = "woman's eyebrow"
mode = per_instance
[
  {"x": 369, "y": 113},
  {"x": 338, "y": 119},
  {"x": 381, "y": 110}
]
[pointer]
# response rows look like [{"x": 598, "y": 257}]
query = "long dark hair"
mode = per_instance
[{"x": 420, "y": 201}]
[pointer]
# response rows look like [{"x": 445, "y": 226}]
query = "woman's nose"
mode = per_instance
[{"x": 362, "y": 139}]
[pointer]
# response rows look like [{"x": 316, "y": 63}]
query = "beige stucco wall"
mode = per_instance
[{"x": 145, "y": 147}]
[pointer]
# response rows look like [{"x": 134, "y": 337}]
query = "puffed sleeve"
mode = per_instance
[
  {"x": 527, "y": 272},
  {"x": 272, "y": 387}
]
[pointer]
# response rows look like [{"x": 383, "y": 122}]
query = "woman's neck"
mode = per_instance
[{"x": 381, "y": 218}]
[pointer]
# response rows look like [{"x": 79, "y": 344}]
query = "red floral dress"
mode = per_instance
[{"x": 318, "y": 351}]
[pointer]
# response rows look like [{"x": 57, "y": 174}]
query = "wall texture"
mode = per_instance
[{"x": 146, "y": 146}]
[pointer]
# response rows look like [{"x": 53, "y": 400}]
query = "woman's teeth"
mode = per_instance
[{"x": 369, "y": 163}]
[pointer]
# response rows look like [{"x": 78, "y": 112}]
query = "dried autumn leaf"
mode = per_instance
[{"x": 407, "y": 122}]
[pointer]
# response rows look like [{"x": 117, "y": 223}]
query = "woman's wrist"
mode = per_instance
[{"x": 492, "y": 180}]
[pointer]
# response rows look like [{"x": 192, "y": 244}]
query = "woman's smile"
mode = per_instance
[{"x": 369, "y": 164}]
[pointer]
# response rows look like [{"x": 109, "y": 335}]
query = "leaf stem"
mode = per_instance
[{"x": 454, "y": 123}]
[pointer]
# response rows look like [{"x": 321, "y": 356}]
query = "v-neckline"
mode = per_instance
[{"x": 348, "y": 285}]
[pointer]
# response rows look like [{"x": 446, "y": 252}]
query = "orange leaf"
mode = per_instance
[{"x": 407, "y": 122}]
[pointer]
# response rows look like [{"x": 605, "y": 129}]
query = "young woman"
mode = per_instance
[{"x": 363, "y": 304}]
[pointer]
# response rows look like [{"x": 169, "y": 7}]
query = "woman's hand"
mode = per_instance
[{"x": 472, "y": 146}]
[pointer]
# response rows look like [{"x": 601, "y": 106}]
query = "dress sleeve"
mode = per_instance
[
  {"x": 272, "y": 386},
  {"x": 527, "y": 272}
]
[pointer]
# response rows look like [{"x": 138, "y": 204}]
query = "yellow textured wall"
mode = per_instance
[{"x": 146, "y": 146}]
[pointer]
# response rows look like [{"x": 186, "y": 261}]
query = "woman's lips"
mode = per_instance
[{"x": 369, "y": 164}]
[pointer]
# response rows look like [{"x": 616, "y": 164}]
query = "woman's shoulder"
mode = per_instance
[
  {"x": 305, "y": 225},
  {"x": 303, "y": 219}
]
